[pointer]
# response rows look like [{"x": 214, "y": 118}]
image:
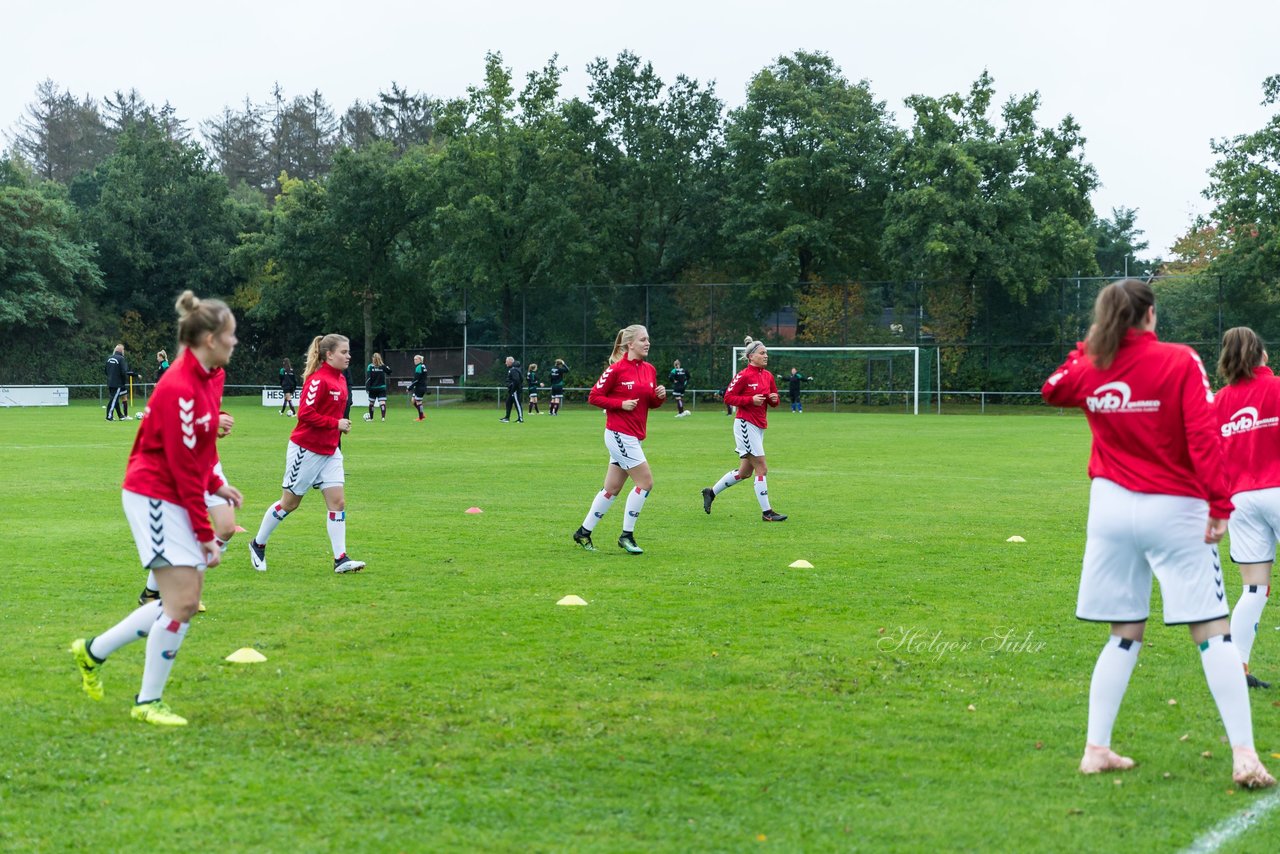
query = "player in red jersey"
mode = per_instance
[
  {"x": 313, "y": 458},
  {"x": 170, "y": 469},
  {"x": 1158, "y": 504},
  {"x": 626, "y": 391},
  {"x": 752, "y": 391},
  {"x": 1249, "y": 418}
]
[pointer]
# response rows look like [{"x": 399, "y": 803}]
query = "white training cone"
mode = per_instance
[
  {"x": 572, "y": 600},
  {"x": 246, "y": 655},
  {"x": 1015, "y": 539},
  {"x": 473, "y": 510},
  {"x": 801, "y": 564}
]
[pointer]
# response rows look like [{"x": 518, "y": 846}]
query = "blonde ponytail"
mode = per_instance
[
  {"x": 623, "y": 340},
  {"x": 321, "y": 346}
]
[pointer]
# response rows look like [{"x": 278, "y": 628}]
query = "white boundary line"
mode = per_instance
[{"x": 1229, "y": 828}]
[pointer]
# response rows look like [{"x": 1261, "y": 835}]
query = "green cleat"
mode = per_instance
[
  {"x": 628, "y": 542},
  {"x": 156, "y": 712},
  {"x": 88, "y": 668},
  {"x": 583, "y": 538}
]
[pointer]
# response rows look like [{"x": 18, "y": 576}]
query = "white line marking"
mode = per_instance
[{"x": 1229, "y": 828}]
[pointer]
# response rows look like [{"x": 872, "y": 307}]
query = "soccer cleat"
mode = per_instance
[
  {"x": 1098, "y": 759},
  {"x": 258, "y": 556},
  {"x": 770, "y": 516},
  {"x": 583, "y": 538},
  {"x": 708, "y": 496},
  {"x": 1247, "y": 770},
  {"x": 148, "y": 595},
  {"x": 158, "y": 713},
  {"x": 88, "y": 668},
  {"x": 419, "y": 418},
  {"x": 1255, "y": 682},
  {"x": 346, "y": 564},
  {"x": 504, "y": 420},
  {"x": 628, "y": 544}
]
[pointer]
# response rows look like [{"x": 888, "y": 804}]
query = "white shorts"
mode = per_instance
[
  {"x": 624, "y": 450},
  {"x": 305, "y": 470},
  {"x": 210, "y": 500},
  {"x": 1132, "y": 535},
  {"x": 162, "y": 532},
  {"x": 748, "y": 439},
  {"x": 1254, "y": 524}
]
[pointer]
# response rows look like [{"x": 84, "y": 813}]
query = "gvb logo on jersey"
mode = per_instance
[
  {"x": 1245, "y": 420},
  {"x": 1116, "y": 397}
]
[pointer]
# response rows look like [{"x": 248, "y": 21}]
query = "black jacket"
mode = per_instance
[
  {"x": 515, "y": 377},
  {"x": 117, "y": 370}
]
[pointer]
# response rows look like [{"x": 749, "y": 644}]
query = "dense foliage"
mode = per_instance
[{"x": 532, "y": 220}]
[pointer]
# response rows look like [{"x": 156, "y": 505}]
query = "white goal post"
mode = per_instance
[{"x": 737, "y": 362}]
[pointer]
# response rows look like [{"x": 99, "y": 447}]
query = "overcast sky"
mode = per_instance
[{"x": 1150, "y": 82}]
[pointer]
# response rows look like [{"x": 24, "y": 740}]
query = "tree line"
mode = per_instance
[{"x": 539, "y": 216}]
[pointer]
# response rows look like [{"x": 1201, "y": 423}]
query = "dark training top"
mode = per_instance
[
  {"x": 557, "y": 376},
  {"x": 793, "y": 383},
  {"x": 679, "y": 379},
  {"x": 288, "y": 382},
  {"x": 117, "y": 370},
  {"x": 375, "y": 378}
]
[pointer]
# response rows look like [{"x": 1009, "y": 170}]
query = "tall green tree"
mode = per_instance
[
  {"x": 237, "y": 140},
  {"x": 655, "y": 150},
  {"x": 511, "y": 215},
  {"x": 1117, "y": 243},
  {"x": 46, "y": 269},
  {"x": 61, "y": 135},
  {"x": 346, "y": 251},
  {"x": 162, "y": 220},
  {"x": 809, "y": 159},
  {"x": 1244, "y": 186}
]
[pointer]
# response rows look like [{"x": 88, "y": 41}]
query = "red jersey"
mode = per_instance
[
  {"x": 1152, "y": 418},
  {"x": 626, "y": 380},
  {"x": 1249, "y": 420},
  {"x": 323, "y": 400},
  {"x": 175, "y": 450},
  {"x": 749, "y": 382}
]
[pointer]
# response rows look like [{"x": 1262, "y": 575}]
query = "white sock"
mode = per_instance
[
  {"x": 599, "y": 507},
  {"x": 221, "y": 543},
  {"x": 1106, "y": 690},
  {"x": 762, "y": 492},
  {"x": 136, "y": 625},
  {"x": 151, "y": 581},
  {"x": 162, "y": 648},
  {"x": 1225, "y": 675},
  {"x": 1245, "y": 616},
  {"x": 274, "y": 516},
  {"x": 635, "y": 502},
  {"x": 730, "y": 479},
  {"x": 338, "y": 532}
]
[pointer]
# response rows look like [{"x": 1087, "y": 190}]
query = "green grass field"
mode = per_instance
[{"x": 923, "y": 687}]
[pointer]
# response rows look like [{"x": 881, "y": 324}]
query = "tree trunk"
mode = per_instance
[{"x": 367, "y": 313}]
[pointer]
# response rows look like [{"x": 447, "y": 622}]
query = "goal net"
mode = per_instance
[{"x": 851, "y": 378}]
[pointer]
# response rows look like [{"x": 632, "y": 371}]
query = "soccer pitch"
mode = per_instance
[{"x": 923, "y": 687}]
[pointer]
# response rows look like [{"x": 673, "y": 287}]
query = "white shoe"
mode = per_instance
[
  {"x": 346, "y": 564},
  {"x": 258, "y": 556}
]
